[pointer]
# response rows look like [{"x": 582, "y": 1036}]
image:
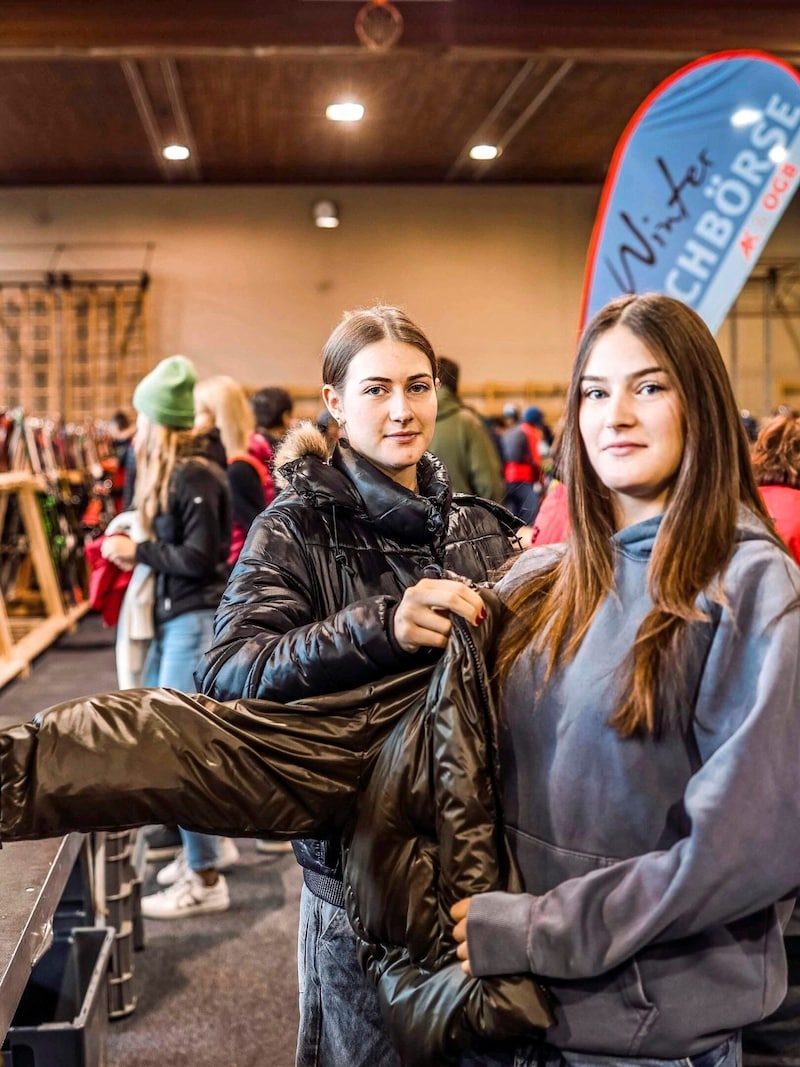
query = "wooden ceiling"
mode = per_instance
[{"x": 90, "y": 92}]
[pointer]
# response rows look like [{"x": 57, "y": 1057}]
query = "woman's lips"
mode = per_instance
[{"x": 622, "y": 448}]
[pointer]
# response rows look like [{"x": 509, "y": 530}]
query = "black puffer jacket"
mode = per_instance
[
  {"x": 309, "y": 606},
  {"x": 404, "y": 768},
  {"x": 190, "y": 553}
]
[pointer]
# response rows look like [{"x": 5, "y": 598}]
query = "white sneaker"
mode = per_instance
[
  {"x": 190, "y": 896},
  {"x": 228, "y": 856},
  {"x": 173, "y": 872}
]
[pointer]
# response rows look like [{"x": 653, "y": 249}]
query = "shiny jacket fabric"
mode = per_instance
[
  {"x": 190, "y": 553},
  {"x": 309, "y": 606},
  {"x": 405, "y": 768}
]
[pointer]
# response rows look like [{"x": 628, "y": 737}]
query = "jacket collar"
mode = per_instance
[
  {"x": 391, "y": 508},
  {"x": 350, "y": 482}
]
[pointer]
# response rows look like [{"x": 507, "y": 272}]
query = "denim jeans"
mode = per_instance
[
  {"x": 728, "y": 1054},
  {"x": 171, "y": 659},
  {"x": 340, "y": 1021}
]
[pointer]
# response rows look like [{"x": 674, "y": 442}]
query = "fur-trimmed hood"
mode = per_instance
[{"x": 303, "y": 440}]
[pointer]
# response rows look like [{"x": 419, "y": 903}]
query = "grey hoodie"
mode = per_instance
[{"x": 652, "y": 868}]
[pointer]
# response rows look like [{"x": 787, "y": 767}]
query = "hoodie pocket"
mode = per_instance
[{"x": 610, "y": 1012}]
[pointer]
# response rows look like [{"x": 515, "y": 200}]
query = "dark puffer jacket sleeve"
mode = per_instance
[
  {"x": 140, "y": 756},
  {"x": 269, "y": 642},
  {"x": 433, "y": 804}
]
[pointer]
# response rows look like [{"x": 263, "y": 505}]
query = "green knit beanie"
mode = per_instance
[{"x": 166, "y": 394}]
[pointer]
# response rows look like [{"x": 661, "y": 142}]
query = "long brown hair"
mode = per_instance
[
  {"x": 776, "y": 452},
  {"x": 696, "y": 537}
]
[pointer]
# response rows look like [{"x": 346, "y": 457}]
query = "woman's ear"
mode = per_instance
[{"x": 333, "y": 402}]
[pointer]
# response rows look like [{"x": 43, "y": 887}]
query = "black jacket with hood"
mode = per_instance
[
  {"x": 404, "y": 768},
  {"x": 189, "y": 555},
  {"x": 309, "y": 606}
]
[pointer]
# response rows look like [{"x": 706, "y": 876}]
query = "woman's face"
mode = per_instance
[
  {"x": 386, "y": 407},
  {"x": 631, "y": 425}
]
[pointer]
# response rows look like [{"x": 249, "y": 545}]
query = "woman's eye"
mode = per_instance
[
  {"x": 593, "y": 394},
  {"x": 373, "y": 390},
  {"x": 651, "y": 388},
  {"x": 419, "y": 387}
]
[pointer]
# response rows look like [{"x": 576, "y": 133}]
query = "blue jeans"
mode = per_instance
[
  {"x": 340, "y": 1021},
  {"x": 171, "y": 659},
  {"x": 728, "y": 1054}
]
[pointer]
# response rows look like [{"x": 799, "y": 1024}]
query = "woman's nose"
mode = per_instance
[
  {"x": 400, "y": 407},
  {"x": 620, "y": 410}
]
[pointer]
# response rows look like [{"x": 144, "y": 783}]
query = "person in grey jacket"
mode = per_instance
[{"x": 649, "y": 679}]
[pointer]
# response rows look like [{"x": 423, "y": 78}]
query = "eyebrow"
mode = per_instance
[
  {"x": 388, "y": 381},
  {"x": 629, "y": 377}
]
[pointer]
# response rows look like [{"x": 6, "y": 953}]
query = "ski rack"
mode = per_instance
[{"x": 25, "y": 636}]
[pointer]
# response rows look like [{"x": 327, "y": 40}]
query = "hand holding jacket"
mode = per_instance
[{"x": 422, "y": 618}]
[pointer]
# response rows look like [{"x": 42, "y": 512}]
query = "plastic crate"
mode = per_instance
[{"x": 62, "y": 1017}]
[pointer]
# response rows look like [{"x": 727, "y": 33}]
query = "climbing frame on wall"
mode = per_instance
[
  {"x": 27, "y": 347},
  {"x": 72, "y": 348},
  {"x": 105, "y": 347}
]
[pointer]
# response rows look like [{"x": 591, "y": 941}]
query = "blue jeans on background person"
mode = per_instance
[
  {"x": 340, "y": 1021},
  {"x": 728, "y": 1054},
  {"x": 170, "y": 662}
]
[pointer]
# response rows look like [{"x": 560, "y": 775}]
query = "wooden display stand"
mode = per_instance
[{"x": 25, "y": 636}]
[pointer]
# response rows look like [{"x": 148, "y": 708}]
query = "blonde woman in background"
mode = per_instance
[
  {"x": 222, "y": 407},
  {"x": 221, "y": 402}
]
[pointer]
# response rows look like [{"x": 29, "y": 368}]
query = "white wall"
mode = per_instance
[{"x": 245, "y": 284}]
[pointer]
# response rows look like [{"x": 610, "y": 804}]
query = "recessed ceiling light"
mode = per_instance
[
  {"x": 175, "y": 152},
  {"x": 484, "y": 151},
  {"x": 325, "y": 214},
  {"x": 345, "y": 112},
  {"x": 745, "y": 116}
]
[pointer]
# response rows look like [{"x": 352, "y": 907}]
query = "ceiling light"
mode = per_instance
[
  {"x": 345, "y": 112},
  {"x": 777, "y": 153},
  {"x": 325, "y": 214},
  {"x": 745, "y": 116},
  {"x": 484, "y": 151},
  {"x": 175, "y": 152}
]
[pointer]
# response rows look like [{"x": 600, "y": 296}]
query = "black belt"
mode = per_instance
[{"x": 331, "y": 890}]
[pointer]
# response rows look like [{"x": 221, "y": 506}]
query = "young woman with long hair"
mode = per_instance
[
  {"x": 648, "y": 676},
  {"x": 352, "y": 574},
  {"x": 183, "y": 506},
  {"x": 221, "y": 403}
]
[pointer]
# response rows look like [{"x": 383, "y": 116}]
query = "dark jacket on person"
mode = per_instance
[
  {"x": 310, "y": 604},
  {"x": 189, "y": 555},
  {"x": 371, "y": 763}
]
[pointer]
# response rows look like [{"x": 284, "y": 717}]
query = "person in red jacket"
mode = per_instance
[{"x": 776, "y": 461}]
